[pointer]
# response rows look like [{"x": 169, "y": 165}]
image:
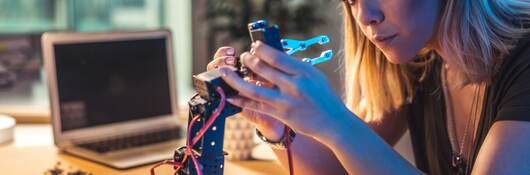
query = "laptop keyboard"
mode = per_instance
[{"x": 132, "y": 141}]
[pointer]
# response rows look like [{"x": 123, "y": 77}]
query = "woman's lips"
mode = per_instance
[{"x": 384, "y": 40}]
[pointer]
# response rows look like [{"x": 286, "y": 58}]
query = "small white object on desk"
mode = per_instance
[{"x": 7, "y": 126}]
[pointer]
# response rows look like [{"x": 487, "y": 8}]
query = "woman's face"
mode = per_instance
[{"x": 399, "y": 28}]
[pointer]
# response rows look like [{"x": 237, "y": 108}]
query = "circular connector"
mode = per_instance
[{"x": 324, "y": 40}]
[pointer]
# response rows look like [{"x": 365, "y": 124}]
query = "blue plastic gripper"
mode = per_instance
[{"x": 294, "y": 46}]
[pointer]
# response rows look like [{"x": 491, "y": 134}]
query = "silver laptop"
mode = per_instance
[{"x": 113, "y": 96}]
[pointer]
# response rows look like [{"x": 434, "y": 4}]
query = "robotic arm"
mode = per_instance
[{"x": 203, "y": 153}]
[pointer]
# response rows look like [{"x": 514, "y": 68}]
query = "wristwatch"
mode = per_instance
[{"x": 280, "y": 144}]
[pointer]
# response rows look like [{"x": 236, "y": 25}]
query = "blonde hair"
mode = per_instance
[{"x": 477, "y": 32}]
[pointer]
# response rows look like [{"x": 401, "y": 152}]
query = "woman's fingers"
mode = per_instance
[
  {"x": 277, "y": 116},
  {"x": 253, "y": 106},
  {"x": 264, "y": 70},
  {"x": 278, "y": 59},
  {"x": 221, "y": 61},
  {"x": 224, "y": 56},
  {"x": 224, "y": 51},
  {"x": 266, "y": 95}
]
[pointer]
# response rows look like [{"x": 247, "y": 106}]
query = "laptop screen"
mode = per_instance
[{"x": 108, "y": 82}]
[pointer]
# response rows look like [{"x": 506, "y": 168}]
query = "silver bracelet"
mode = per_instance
[{"x": 280, "y": 144}]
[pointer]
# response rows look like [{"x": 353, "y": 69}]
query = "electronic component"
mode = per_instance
[
  {"x": 206, "y": 82},
  {"x": 58, "y": 170},
  {"x": 270, "y": 35}
]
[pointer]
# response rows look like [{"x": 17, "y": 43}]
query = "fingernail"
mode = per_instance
[
  {"x": 231, "y": 60},
  {"x": 230, "y": 51},
  {"x": 253, "y": 44},
  {"x": 230, "y": 100}
]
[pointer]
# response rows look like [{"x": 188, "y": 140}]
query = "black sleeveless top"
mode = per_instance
[{"x": 507, "y": 97}]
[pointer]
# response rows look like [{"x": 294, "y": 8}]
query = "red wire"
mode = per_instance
[
  {"x": 200, "y": 134},
  {"x": 188, "y": 148},
  {"x": 196, "y": 163},
  {"x": 160, "y": 164},
  {"x": 287, "y": 131},
  {"x": 213, "y": 117},
  {"x": 203, "y": 130}
]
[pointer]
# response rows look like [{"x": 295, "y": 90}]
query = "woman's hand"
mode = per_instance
[
  {"x": 268, "y": 126},
  {"x": 302, "y": 98}
]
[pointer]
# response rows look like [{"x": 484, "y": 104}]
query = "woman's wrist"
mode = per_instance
[
  {"x": 272, "y": 133},
  {"x": 338, "y": 129}
]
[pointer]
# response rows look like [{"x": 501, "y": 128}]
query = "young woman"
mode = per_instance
[{"x": 454, "y": 72}]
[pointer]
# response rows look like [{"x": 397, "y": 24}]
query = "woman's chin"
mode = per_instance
[{"x": 400, "y": 58}]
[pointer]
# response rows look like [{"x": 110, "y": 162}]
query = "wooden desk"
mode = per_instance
[{"x": 32, "y": 153}]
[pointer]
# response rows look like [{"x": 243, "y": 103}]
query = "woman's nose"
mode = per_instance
[{"x": 369, "y": 14}]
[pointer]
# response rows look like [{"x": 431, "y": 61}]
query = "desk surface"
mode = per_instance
[{"x": 32, "y": 153}]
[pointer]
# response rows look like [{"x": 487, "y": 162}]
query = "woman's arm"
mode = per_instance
[
  {"x": 391, "y": 127},
  {"x": 506, "y": 149},
  {"x": 312, "y": 157},
  {"x": 363, "y": 151}
]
